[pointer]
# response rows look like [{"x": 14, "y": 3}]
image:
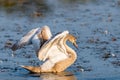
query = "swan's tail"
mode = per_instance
[{"x": 33, "y": 69}]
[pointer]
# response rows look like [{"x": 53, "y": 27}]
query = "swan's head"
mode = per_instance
[{"x": 72, "y": 39}]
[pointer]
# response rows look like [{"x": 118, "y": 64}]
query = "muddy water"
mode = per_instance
[{"x": 95, "y": 23}]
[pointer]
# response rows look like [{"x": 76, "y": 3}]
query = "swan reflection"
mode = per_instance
[{"x": 56, "y": 76}]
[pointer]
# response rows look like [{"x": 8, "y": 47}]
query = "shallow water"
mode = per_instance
[{"x": 95, "y": 23}]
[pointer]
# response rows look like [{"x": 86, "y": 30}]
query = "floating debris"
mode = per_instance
[
  {"x": 93, "y": 40},
  {"x": 106, "y": 32},
  {"x": 8, "y": 44},
  {"x": 108, "y": 55},
  {"x": 114, "y": 39},
  {"x": 80, "y": 68},
  {"x": 116, "y": 63},
  {"x": 37, "y": 14}
]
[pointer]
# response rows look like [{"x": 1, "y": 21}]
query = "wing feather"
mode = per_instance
[
  {"x": 26, "y": 39},
  {"x": 44, "y": 53}
]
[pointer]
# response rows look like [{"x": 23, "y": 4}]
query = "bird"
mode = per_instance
[
  {"x": 36, "y": 37},
  {"x": 56, "y": 54}
]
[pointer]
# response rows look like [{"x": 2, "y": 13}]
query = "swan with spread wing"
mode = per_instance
[{"x": 56, "y": 53}]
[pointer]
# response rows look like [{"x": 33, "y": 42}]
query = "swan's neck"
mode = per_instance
[{"x": 72, "y": 54}]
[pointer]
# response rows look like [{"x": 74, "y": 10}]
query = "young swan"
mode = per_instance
[{"x": 63, "y": 64}]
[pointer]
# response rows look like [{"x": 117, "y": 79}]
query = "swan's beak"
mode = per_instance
[{"x": 75, "y": 44}]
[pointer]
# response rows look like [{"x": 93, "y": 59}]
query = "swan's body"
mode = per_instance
[
  {"x": 59, "y": 56},
  {"x": 64, "y": 64},
  {"x": 36, "y": 37},
  {"x": 53, "y": 50}
]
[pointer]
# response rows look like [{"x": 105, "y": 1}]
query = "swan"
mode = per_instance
[
  {"x": 36, "y": 37},
  {"x": 57, "y": 55}
]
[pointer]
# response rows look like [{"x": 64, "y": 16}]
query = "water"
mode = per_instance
[{"x": 95, "y": 23}]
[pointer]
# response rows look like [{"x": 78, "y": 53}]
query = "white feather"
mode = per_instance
[
  {"x": 27, "y": 38},
  {"x": 44, "y": 52},
  {"x": 55, "y": 55},
  {"x": 32, "y": 38}
]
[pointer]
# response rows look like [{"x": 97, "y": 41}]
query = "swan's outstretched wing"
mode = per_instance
[
  {"x": 36, "y": 36},
  {"x": 26, "y": 39},
  {"x": 51, "y": 48}
]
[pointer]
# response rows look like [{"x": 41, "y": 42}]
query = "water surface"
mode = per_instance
[{"x": 95, "y": 23}]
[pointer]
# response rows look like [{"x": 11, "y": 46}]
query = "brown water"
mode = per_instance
[{"x": 95, "y": 23}]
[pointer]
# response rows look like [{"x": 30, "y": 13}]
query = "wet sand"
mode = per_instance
[{"x": 95, "y": 23}]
